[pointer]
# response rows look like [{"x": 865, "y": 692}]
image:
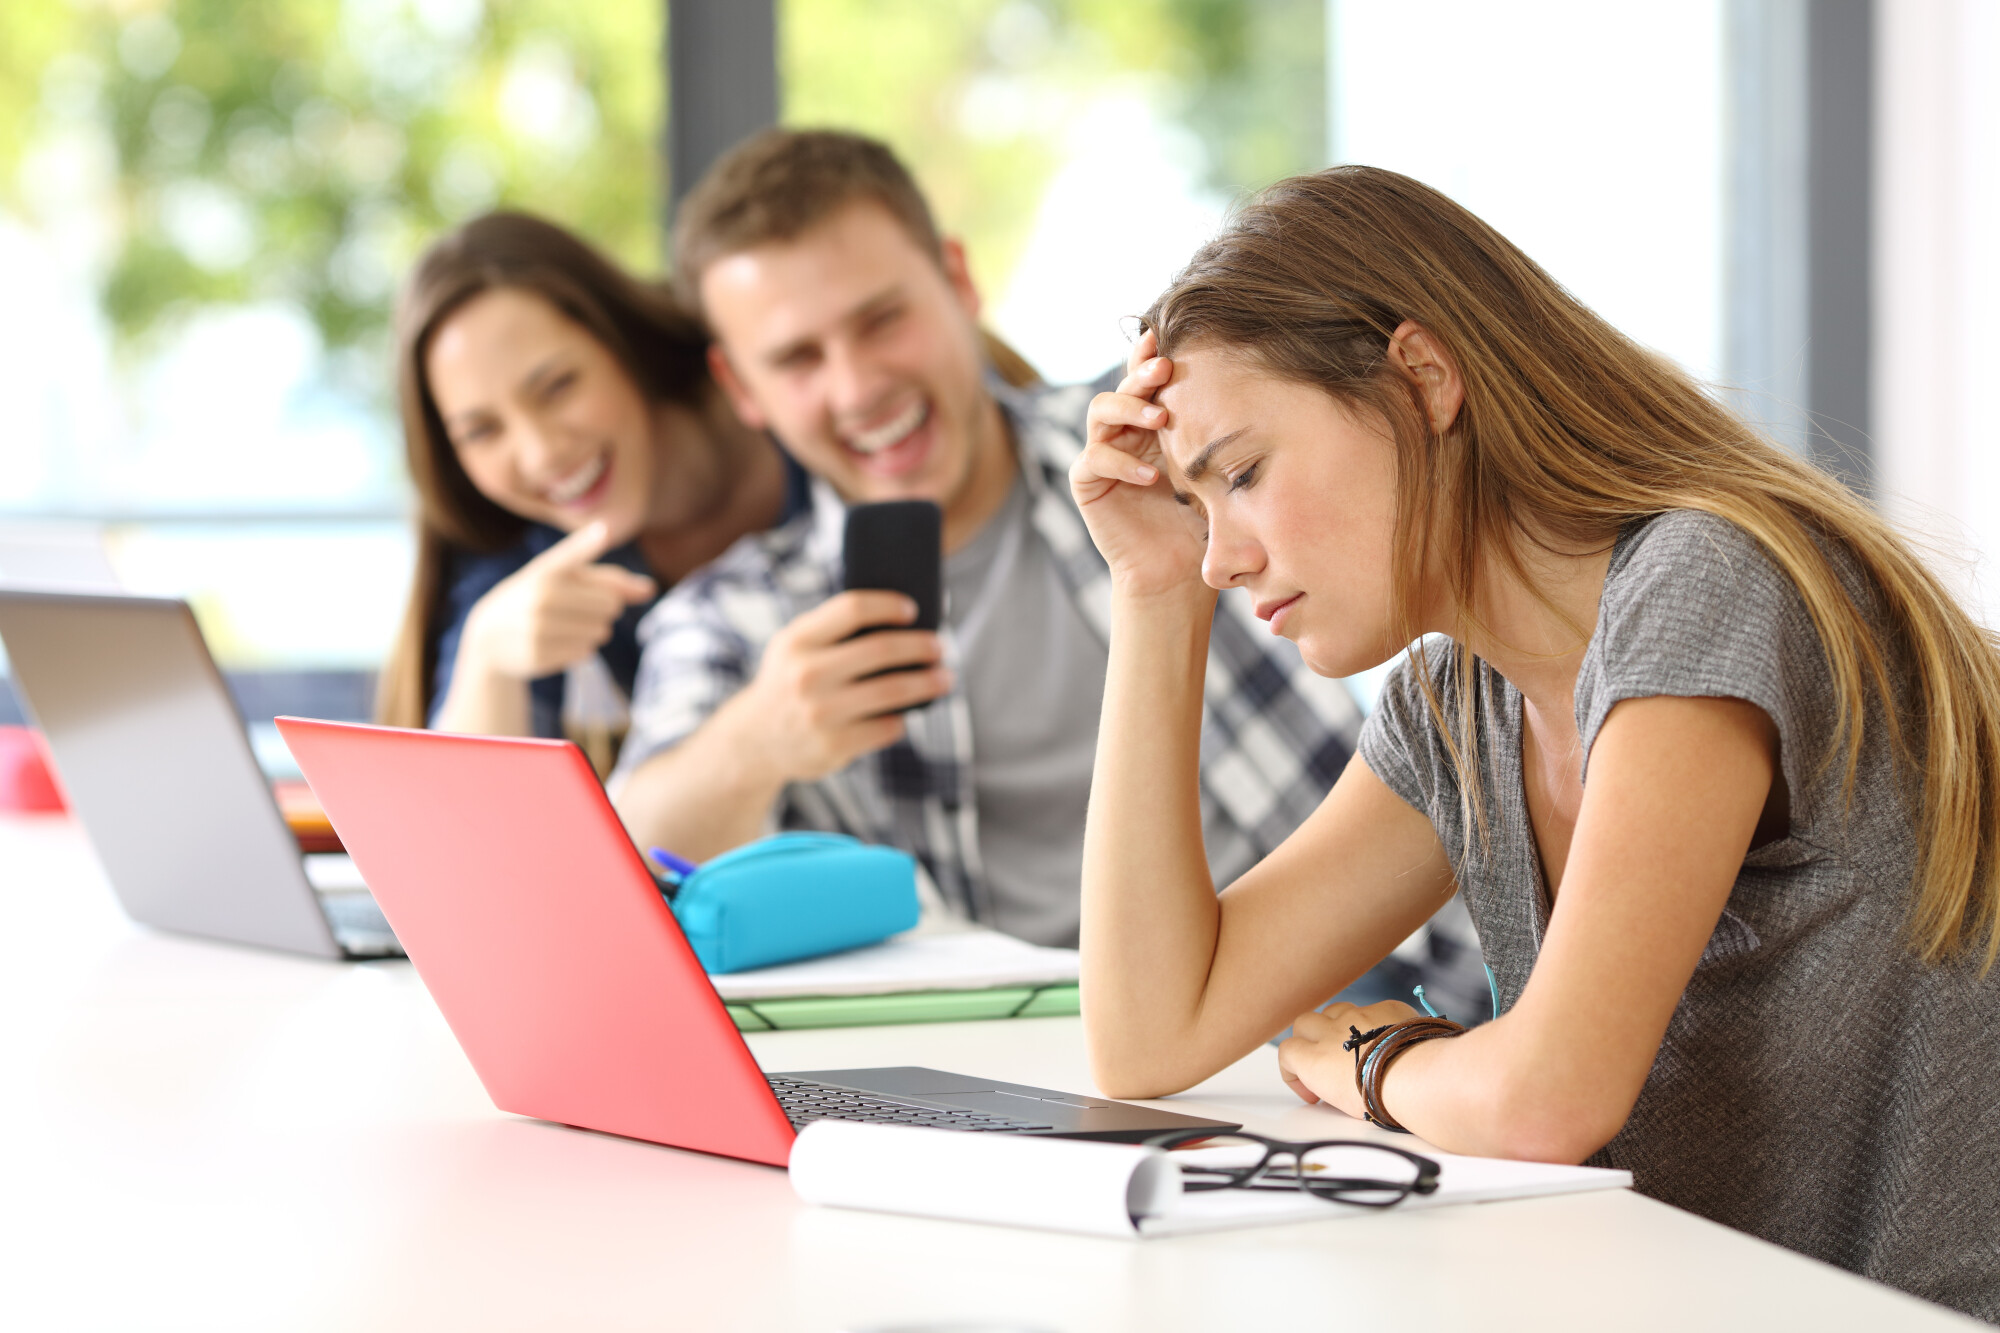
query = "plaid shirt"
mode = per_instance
[{"x": 1274, "y": 735}]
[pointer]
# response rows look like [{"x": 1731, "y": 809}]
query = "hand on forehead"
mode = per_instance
[{"x": 1208, "y": 396}]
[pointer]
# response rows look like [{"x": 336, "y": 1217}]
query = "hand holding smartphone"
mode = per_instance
[{"x": 827, "y": 690}]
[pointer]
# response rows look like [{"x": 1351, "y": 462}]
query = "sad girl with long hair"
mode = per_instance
[{"x": 1712, "y": 756}]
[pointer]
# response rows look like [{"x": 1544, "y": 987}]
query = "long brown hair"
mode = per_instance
[
  {"x": 1569, "y": 431},
  {"x": 659, "y": 345}
]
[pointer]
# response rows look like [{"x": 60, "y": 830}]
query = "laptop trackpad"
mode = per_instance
[
  {"x": 900, "y": 1081},
  {"x": 1006, "y": 1103},
  {"x": 934, "y": 1085}
]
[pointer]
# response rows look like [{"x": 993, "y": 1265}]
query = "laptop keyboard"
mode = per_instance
[
  {"x": 359, "y": 924},
  {"x": 806, "y": 1102}
]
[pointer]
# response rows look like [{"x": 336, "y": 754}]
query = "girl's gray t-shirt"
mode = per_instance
[{"x": 1818, "y": 1086}]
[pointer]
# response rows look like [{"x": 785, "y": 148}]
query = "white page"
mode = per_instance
[
  {"x": 918, "y": 961},
  {"x": 1103, "y": 1189}
]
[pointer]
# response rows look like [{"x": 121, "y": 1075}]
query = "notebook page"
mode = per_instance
[{"x": 960, "y": 960}]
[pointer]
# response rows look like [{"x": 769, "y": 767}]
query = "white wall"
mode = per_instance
[
  {"x": 1589, "y": 134},
  {"x": 1937, "y": 274}
]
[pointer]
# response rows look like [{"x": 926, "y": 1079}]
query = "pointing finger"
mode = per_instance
[{"x": 581, "y": 547}]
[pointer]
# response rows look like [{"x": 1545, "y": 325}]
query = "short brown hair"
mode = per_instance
[{"x": 779, "y": 184}]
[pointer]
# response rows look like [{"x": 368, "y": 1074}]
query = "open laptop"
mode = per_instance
[
  {"x": 563, "y": 974},
  {"x": 156, "y": 763}
]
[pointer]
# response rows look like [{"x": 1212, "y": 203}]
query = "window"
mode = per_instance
[{"x": 1590, "y": 135}]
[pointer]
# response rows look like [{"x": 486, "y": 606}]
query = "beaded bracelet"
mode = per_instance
[{"x": 1391, "y": 1040}]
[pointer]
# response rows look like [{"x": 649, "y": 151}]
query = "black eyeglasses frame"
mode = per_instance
[{"x": 1334, "y": 1191}]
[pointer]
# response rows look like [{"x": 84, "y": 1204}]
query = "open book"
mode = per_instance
[
  {"x": 922, "y": 976},
  {"x": 915, "y": 961},
  {"x": 1102, "y": 1189}
]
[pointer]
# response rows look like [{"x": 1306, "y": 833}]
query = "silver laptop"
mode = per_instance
[{"x": 157, "y": 765}]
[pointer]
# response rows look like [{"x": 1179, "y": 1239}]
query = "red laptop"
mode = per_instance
[{"x": 507, "y": 877}]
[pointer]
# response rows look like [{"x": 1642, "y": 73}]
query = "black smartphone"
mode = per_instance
[{"x": 898, "y": 545}]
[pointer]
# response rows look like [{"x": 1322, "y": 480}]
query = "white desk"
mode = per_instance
[{"x": 200, "y": 1136}]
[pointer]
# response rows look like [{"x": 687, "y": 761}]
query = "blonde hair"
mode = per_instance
[{"x": 1569, "y": 431}]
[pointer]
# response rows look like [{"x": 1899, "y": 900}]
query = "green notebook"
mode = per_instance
[{"x": 936, "y": 1006}]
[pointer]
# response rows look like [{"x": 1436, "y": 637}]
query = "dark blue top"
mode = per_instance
[{"x": 470, "y": 575}]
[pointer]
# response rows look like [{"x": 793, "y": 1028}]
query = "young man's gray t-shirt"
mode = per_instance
[
  {"x": 1033, "y": 676},
  {"x": 1034, "y": 680},
  {"x": 1818, "y": 1085}
]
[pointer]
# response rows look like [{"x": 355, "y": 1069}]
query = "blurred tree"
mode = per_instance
[
  {"x": 977, "y": 95},
  {"x": 305, "y": 150},
  {"x": 1254, "y": 86},
  {"x": 31, "y": 35}
]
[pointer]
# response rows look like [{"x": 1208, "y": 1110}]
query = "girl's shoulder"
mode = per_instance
[
  {"x": 1694, "y": 606},
  {"x": 1688, "y": 582},
  {"x": 1688, "y": 542}
]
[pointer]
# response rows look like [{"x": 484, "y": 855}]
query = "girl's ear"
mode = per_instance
[{"x": 1418, "y": 355}]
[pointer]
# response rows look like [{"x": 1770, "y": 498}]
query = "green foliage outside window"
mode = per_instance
[
  {"x": 977, "y": 94},
  {"x": 305, "y": 150}
]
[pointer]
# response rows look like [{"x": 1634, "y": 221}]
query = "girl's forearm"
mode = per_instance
[
  {"x": 483, "y": 702},
  {"x": 709, "y": 794},
  {"x": 1150, "y": 917},
  {"x": 1677, "y": 787},
  {"x": 1509, "y": 1088}
]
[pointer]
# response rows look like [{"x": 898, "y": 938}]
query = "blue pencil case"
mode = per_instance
[{"x": 791, "y": 896}]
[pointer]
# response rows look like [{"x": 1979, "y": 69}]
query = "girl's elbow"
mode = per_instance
[
  {"x": 1554, "y": 1142},
  {"x": 1134, "y": 1071},
  {"x": 1134, "y": 1080},
  {"x": 1538, "y": 1124}
]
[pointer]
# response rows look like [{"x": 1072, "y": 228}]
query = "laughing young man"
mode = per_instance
[{"x": 847, "y": 327}]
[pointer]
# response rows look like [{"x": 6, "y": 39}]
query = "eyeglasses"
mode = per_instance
[{"x": 1370, "y": 1175}]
